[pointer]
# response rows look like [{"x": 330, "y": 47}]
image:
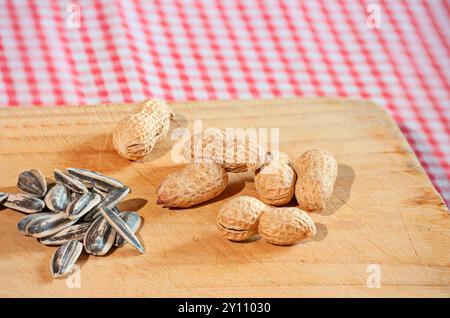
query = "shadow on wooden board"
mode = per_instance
[{"x": 342, "y": 189}]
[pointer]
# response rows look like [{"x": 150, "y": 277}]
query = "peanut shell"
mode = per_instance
[
  {"x": 238, "y": 218},
  {"x": 286, "y": 226},
  {"x": 234, "y": 153},
  {"x": 194, "y": 184},
  {"x": 136, "y": 135},
  {"x": 316, "y": 174},
  {"x": 275, "y": 180}
]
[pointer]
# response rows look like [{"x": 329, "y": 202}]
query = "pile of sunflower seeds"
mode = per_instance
[{"x": 78, "y": 209}]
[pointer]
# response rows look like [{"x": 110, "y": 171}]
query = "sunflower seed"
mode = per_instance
[
  {"x": 82, "y": 205},
  {"x": 32, "y": 182},
  {"x": 115, "y": 196},
  {"x": 92, "y": 215},
  {"x": 64, "y": 258},
  {"x": 95, "y": 213},
  {"x": 24, "y": 203},
  {"x": 88, "y": 184},
  {"x": 74, "y": 232},
  {"x": 57, "y": 198},
  {"x": 70, "y": 182},
  {"x": 116, "y": 209},
  {"x": 3, "y": 196},
  {"x": 133, "y": 220},
  {"x": 102, "y": 193},
  {"x": 22, "y": 225},
  {"x": 121, "y": 227},
  {"x": 75, "y": 196},
  {"x": 75, "y": 213},
  {"x": 99, "y": 237},
  {"x": 49, "y": 225},
  {"x": 99, "y": 180}
]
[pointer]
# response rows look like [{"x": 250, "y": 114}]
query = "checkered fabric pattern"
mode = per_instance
[{"x": 393, "y": 52}]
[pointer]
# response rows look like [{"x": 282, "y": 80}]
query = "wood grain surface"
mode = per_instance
[{"x": 384, "y": 210}]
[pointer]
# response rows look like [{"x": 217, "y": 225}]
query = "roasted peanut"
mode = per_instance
[
  {"x": 316, "y": 175},
  {"x": 236, "y": 153},
  {"x": 275, "y": 180},
  {"x": 238, "y": 218},
  {"x": 286, "y": 226},
  {"x": 194, "y": 184},
  {"x": 136, "y": 135}
]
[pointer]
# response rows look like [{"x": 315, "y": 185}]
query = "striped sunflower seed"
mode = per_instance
[
  {"x": 87, "y": 183},
  {"x": 24, "y": 222},
  {"x": 92, "y": 215},
  {"x": 57, "y": 198},
  {"x": 111, "y": 199},
  {"x": 115, "y": 196},
  {"x": 49, "y": 225},
  {"x": 70, "y": 182},
  {"x": 133, "y": 220},
  {"x": 121, "y": 227},
  {"x": 82, "y": 205},
  {"x": 64, "y": 258},
  {"x": 3, "y": 196},
  {"x": 74, "y": 232},
  {"x": 74, "y": 196},
  {"x": 99, "y": 237},
  {"x": 32, "y": 182},
  {"x": 24, "y": 203},
  {"x": 99, "y": 180},
  {"x": 102, "y": 193},
  {"x": 95, "y": 213}
]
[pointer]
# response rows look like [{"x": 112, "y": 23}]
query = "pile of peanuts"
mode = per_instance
[{"x": 310, "y": 178}]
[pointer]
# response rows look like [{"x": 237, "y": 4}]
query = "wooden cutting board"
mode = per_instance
[{"x": 385, "y": 218}]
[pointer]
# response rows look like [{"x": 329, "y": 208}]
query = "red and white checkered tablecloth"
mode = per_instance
[{"x": 393, "y": 52}]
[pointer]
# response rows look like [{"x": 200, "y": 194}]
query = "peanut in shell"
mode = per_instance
[
  {"x": 237, "y": 220},
  {"x": 286, "y": 226},
  {"x": 316, "y": 174},
  {"x": 192, "y": 185},
  {"x": 275, "y": 180}
]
